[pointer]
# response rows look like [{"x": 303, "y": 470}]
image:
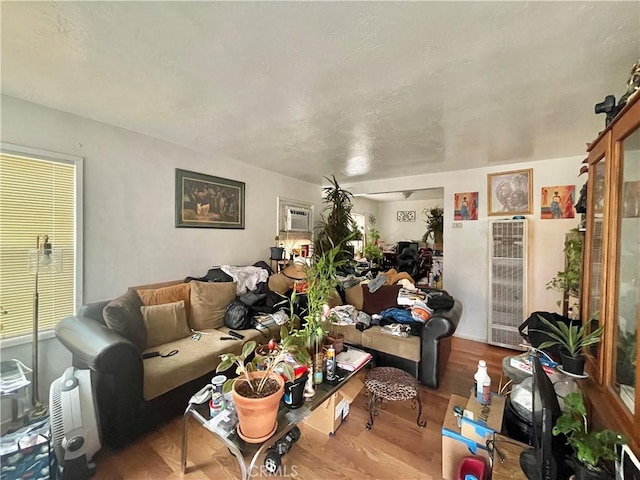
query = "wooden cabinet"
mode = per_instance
[{"x": 611, "y": 281}]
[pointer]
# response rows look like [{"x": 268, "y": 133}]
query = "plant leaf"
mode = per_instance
[
  {"x": 248, "y": 348},
  {"x": 224, "y": 365}
]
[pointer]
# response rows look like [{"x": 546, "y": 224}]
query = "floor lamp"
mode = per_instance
[{"x": 43, "y": 260}]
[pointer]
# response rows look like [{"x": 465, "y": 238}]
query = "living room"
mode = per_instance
[{"x": 53, "y": 100}]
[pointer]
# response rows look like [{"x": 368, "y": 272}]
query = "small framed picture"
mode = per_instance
[
  {"x": 510, "y": 193},
  {"x": 557, "y": 202},
  {"x": 465, "y": 206}
]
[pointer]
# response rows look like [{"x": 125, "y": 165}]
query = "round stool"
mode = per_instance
[{"x": 391, "y": 384}]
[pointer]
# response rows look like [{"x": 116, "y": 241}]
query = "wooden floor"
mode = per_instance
[{"x": 396, "y": 448}]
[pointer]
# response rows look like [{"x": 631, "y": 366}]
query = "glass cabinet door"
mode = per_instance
[
  {"x": 628, "y": 304},
  {"x": 595, "y": 248}
]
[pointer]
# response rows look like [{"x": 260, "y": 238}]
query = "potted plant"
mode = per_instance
[
  {"x": 372, "y": 251},
  {"x": 567, "y": 282},
  {"x": 259, "y": 388},
  {"x": 337, "y": 340},
  {"x": 435, "y": 221},
  {"x": 278, "y": 251},
  {"x": 573, "y": 340},
  {"x": 593, "y": 450},
  {"x": 336, "y": 227}
]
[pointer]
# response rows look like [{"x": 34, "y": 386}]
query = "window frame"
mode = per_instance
[{"x": 78, "y": 162}]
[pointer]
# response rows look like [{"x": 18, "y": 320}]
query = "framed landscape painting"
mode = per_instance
[
  {"x": 206, "y": 201},
  {"x": 510, "y": 193}
]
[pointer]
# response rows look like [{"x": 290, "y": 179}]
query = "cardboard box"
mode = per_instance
[
  {"x": 480, "y": 422},
  {"x": 328, "y": 416},
  {"x": 455, "y": 447}
]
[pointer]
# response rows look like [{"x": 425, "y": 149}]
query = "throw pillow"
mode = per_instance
[
  {"x": 170, "y": 294},
  {"x": 165, "y": 323},
  {"x": 123, "y": 316},
  {"x": 209, "y": 302},
  {"x": 354, "y": 296},
  {"x": 385, "y": 297}
]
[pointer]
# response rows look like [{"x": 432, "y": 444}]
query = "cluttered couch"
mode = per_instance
[{"x": 151, "y": 348}]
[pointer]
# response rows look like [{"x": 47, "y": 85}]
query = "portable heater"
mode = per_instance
[{"x": 74, "y": 423}]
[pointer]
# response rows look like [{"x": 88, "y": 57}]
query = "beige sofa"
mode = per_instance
[{"x": 134, "y": 394}]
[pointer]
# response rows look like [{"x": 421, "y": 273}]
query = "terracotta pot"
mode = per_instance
[{"x": 257, "y": 416}]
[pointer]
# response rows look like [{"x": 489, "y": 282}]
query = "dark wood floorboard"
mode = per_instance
[{"x": 394, "y": 449}]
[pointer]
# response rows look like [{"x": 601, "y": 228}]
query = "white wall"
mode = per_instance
[
  {"x": 392, "y": 231},
  {"x": 129, "y": 202},
  {"x": 466, "y": 248},
  {"x": 366, "y": 206}
]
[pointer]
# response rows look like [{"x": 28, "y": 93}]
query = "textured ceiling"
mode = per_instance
[{"x": 361, "y": 90}]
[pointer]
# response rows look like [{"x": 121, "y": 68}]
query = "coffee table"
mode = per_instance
[{"x": 247, "y": 453}]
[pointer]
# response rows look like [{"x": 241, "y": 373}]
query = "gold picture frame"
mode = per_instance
[
  {"x": 510, "y": 193},
  {"x": 205, "y": 201}
]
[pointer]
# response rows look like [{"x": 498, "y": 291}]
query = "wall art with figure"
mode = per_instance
[
  {"x": 208, "y": 202},
  {"x": 465, "y": 206},
  {"x": 510, "y": 193},
  {"x": 557, "y": 202}
]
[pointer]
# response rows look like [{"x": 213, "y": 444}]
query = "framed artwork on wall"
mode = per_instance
[
  {"x": 205, "y": 201},
  {"x": 406, "y": 216},
  {"x": 557, "y": 202},
  {"x": 510, "y": 193},
  {"x": 465, "y": 206}
]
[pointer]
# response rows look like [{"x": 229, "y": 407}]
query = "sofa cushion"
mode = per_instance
[
  {"x": 165, "y": 323},
  {"x": 209, "y": 302},
  {"x": 170, "y": 294},
  {"x": 194, "y": 359},
  {"x": 404, "y": 347},
  {"x": 123, "y": 315},
  {"x": 354, "y": 296},
  {"x": 384, "y": 297}
]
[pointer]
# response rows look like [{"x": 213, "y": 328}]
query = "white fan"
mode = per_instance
[{"x": 74, "y": 423}]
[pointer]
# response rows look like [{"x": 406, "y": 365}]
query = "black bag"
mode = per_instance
[
  {"x": 238, "y": 316},
  {"x": 535, "y": 337}
]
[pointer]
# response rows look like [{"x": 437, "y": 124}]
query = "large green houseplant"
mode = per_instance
[
  {"x": 435, "y": 223},
  {"x": 336, "y": 224},
  {"x": 573, "y": 340},
  {"x": 594, "y": 450},
  {"x": 322, "y": 281},
  {"x": 568, "y": 281},
  {"x": 258, "y": 389}
]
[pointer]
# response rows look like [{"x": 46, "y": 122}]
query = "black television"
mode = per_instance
[{"x": 546, "y": 459}]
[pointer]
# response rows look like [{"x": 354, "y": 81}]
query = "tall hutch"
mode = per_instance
[{"x": 611, "y": 279}]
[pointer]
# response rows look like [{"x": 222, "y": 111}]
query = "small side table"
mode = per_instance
[
  {"x": 277, "y": 265},
  {"x": 392, "y": 384}
]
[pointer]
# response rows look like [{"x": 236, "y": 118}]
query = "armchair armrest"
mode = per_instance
[
  {"x": 117, "y": 370},
  {"x": 97, "y": 347},
  {"x": 436, "y": 343}
]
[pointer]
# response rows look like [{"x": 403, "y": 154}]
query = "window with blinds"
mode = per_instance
[{"x": 37, "y": 198}]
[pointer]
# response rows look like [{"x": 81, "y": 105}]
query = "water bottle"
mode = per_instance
[
  {"x": 331, "y": 363},
  {"x": 482, "y": 383}
]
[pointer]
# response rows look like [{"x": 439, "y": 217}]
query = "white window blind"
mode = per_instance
[{"x": 37, "y": 198}]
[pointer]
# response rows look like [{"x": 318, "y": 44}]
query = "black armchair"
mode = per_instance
[{"x": 407, "y": 261}]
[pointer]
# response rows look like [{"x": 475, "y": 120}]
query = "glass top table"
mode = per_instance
[{"x": 247, "y": 453}]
